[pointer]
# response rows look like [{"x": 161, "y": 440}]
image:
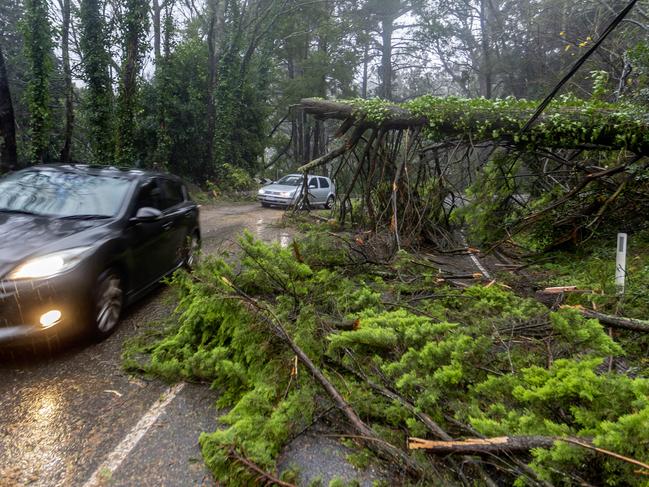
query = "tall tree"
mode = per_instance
[
  {"x": 156, "y": 11},
  {"x": 215, "y": 26},
  {"x": 67, "y": 78},
  {"x": 37, "y": 33},
  {"x": 133, "y": 26},
  {"x": 95, "y": 60},
  {"x": 164, "y": 90},
  {"x": 8, "y": 152}
]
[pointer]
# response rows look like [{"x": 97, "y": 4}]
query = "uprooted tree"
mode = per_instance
[{"x": 410, "y": 166}]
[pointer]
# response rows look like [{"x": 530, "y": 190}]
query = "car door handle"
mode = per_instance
[{"x": 167, "y": 225}]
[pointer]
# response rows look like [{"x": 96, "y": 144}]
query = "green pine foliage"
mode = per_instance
[{"x": 482, "y": 356}]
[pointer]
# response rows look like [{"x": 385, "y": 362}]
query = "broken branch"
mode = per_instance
[{"x": 616, "y": 321}]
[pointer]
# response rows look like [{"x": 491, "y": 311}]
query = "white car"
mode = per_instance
[{"x": 286, "y": 191}]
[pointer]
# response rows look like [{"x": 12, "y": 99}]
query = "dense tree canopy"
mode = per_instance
[{"x": 204, "y": 87}]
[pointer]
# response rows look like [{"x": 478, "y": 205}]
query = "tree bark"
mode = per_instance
[
  {"x": 157, "y": 31},
  {"x": 387, "y": 28},
  {"x": 67, "y": 77},
  {"x": 599, "y": 133},
  {"x": 486, "y": 68},
  {"x": 617, "y": 321},
  {"x": 215, "y": 22},
  {"x": 487, "y": 446},
  {"x": 508, "y": 444},
  {"x": 366, "y": 62},
  {"x": 8, "y": 151}
]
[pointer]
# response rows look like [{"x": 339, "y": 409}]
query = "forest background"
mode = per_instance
[{"x": 205, "y": 88}]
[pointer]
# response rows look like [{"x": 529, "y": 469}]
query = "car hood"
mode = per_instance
[
  {"x": 24, "y": 235},
  {"x": 280, "y": 188}
]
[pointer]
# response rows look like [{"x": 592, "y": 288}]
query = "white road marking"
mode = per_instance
[
  {"x": 121, "y": 451},
  {"x": 475, "y": 260}
]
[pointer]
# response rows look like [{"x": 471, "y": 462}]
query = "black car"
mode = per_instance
[{"x": 79, "y": 243}]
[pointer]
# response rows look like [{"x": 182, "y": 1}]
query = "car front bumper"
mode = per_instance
[
  {"x": 22, "y": 303},
  {"x": 276, "y": 200}
]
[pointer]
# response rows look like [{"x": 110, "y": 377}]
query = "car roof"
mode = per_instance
[
  {"x": 98, "y": 170},
  {"x": 310, "y": 175}
]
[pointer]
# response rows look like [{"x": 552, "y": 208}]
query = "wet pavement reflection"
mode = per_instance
[{"x": 62, "y": 413}]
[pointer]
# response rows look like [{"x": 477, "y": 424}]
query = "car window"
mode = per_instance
[
  {"x": 63, "y": 193},
  {"x": 324, "y": 183},
  {"x": 313, "y": 183},
  {"x": 172, "y": 193},
  {"x": 291, "y": 180},
  {"x": 149, "y": 196}
]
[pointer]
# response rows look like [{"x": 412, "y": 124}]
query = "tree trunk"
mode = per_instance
[
  {"x": 157, "y": 35},
  {"x": 97, "y": 74},
  {"x": 8, "y": 152},
  {"x": 387, "y": 25},
  {"x": 366, "y": 61},
  {"x": 487, "y": 446},
  {"x": 630, "y": 324},
  {"x": 598, "y": 132},
  {"x": 67, "y": 77},
  {"x": 215, "y": 24},
  {"x": 486, "y": 69}
]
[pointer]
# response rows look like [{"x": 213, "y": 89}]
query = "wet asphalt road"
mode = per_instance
[{"x": 61, "y": 416}]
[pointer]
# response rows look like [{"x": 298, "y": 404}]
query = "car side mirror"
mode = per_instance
[{"x": 147, "y": 214}]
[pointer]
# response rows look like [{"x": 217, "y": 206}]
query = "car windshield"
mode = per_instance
[
  {"x": 62, "y": 193},
  {"x": 290, "y": 181}
]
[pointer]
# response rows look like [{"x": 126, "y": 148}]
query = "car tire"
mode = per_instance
[
  {"x": 265, "y": 205},
  {"x": 108, "y": 304},
  {"x": 192, "y": 249},
  {"x": 330, "y": 202}
]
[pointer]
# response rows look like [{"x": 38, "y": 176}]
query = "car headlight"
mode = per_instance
[
  {"x": 287, "y": 194},
  {"x": 262, "y": 191},
  {"x": 48, "y": 265}
]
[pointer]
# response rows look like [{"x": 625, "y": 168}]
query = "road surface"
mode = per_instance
[{"x": 76, "y": 419}]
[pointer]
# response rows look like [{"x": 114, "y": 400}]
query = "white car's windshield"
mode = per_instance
[
  {"x": 62, "y": 194},
  {"x": 290, "y": 181}
]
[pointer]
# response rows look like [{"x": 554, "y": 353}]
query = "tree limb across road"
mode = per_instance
[{"x": 567, "y": 124}]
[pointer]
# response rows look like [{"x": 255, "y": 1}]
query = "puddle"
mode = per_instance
[{"x": 284, "y": 239}]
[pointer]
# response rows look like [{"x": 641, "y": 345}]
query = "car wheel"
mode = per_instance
[
  {"x": 192, "y": 249},
  {"x": 265, "y": 205},
  {"x": 330, "y": 202},
  {"x": 109, "y": 302}
]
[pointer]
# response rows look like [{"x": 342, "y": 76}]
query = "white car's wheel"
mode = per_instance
[{"x": 330, "y": 202}]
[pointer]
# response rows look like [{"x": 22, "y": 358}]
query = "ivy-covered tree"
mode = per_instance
[
  {"x": 163, "y": 85},
  {"x": 65, "y": 7},
  {"x": 8, "y": 152},
  {"x": 133, "y": 26},
  {"x": 98, "y": 100},
  {"x": 37, "y": 33}
]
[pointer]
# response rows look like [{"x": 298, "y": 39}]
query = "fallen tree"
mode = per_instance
[
  {"x": 564, "y": 125},
  {"x": 411, "y": 166},
  {"x": 620, "y": 322},
  {"x": 405, "y": 368},
  {"x": 503, "y": 444}
]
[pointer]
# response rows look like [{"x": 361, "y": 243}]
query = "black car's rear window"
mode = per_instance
[{"x": 62, "y": 194}]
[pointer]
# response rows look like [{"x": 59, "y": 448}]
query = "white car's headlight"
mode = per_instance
[
  {"x": 262, "y": 191},
  {"x": 287, "y": 194},
  {"x": 48, "y": 265}
]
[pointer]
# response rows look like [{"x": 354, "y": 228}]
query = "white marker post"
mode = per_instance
[{"x": 620, "y": 263}]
